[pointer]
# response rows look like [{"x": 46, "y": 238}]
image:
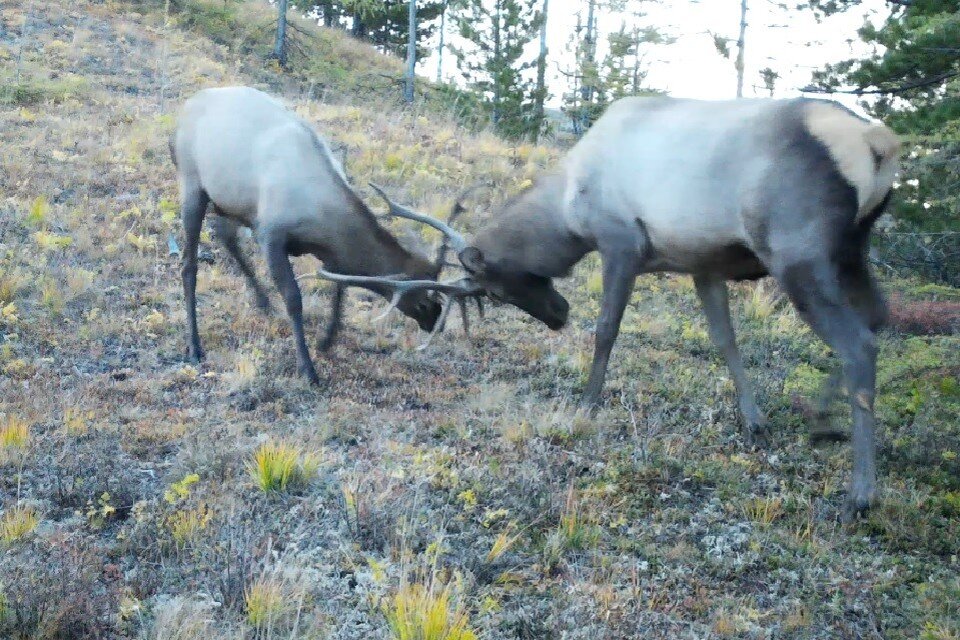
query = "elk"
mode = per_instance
[
  {"x": 722, "y": 191},
  {"x": 262, "y": 167}
]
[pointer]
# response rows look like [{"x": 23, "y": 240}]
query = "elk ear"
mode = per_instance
[{"x": 472, "y": 260}]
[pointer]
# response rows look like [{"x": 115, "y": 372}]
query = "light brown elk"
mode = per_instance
[
  {"x": 262, "y": 167},
  {"x": 722, "y": 191}
]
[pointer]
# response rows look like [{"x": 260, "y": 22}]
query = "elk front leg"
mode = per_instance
[
  {"x": 335, "y": 320},
  {"x": 716, "y": 306},
  {"x": 619, "y": 275},
  {"x": 193, "y": 207},
  {"x": 283, "y": 276}
]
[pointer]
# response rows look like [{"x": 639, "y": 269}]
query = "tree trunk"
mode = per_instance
[
  {"x": 411, "y": 50},
  {"x": 327, "y": 13},
  {"x": 541, "y": 75},
  {"x": 443, "y": 28},
  {"x": 589, "y": 51},
  {"x": 498, "y": 57},
  {"x": 280, "y": 45},
  {"x": 358, "y": 29},
  {"x": 741, "y": 41}
]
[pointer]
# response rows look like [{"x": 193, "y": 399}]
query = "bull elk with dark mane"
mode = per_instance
[
  {"x": 264, "y": 168},
  {"x": 722, "y": 191}
]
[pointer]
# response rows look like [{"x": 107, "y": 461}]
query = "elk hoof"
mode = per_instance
[
  {"x": 854, "y": 508},
  {"x": 860, "y": 498},
  {"x": 756, "y": 435},
  {"x": 312, "y": 377},
  {"x": 195, "y": 354},
  {"x": 827, "y": 435},
  {"x": 263, "y": 304}
]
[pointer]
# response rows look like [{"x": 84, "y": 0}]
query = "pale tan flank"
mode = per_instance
[{"x": 852, "y": 143}]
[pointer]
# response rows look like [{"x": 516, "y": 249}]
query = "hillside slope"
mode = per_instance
[{"x": 459, "y": 476}]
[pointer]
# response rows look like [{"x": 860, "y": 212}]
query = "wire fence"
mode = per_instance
[{"x": 932, "y": 256}]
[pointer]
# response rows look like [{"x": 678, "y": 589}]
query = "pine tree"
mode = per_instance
[
  {"x": 540, "y": 92},
  {"x": 497, "y": 32},
  {"x": 594, "y": 84},
  {"x": 912, "y": 82},
  {"x": 280, "y": 41}
]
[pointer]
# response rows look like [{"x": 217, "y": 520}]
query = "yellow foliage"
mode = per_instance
[
  {"x": 595, "y": 283},
  {"x": 169, "y": 211},
  {"x": 76, "y": 422},
  {"x": 763, "y": 510},
  {"x": 52, "y": 241},
  {"x": 8, "y": 313},
  {"x": 180, "y": 489},
  {"x": 419, "y": 612},
  {"x": 265, "y": 602},
  {"x": 141, "y": 242},
  {"x": 19, "y": 369},
  {"x": 37, "y": 216},
  {"x": 154, "y": 322},
  {"x": 186, "y": 526},
  {"x": 17, "y": 523},
  {"x": 501, "y": 545},
  {"x": 14, "y": 434},
  {"x": 79, "y": 280},
  {"x": 50, "y": 297},
  {"x": 10, "y": 284},
  {"x": 761, "y": 303},
  {"x": 278, "y": 466}
]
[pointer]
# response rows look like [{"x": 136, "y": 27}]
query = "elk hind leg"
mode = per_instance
[
  {"x": 867, "y": 300},
  {"x": 814, "y": 287},
  {"x": 227, "y": 232},
  {"x": 716, "y": 306},
  {"x": 336, "y": 319}
]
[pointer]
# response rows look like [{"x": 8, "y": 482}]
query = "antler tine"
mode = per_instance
[
  {"x": 458, "y": 207},
  {"x": 457, "y": 210},
  {"x": 441, "y": 323},
  {"x": 451, "y": 288},
  {"x": 455, "y": 239}
]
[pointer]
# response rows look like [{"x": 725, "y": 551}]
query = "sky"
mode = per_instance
[{"x": 790, "y": 41}]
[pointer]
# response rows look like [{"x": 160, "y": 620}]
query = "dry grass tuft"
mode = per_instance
[
  {"x": 14, "y": 438},
  {"x": 763, "y": 510},
  {"x": 427, "y": 612},
  {"x": 16, "y": 523},
  {"x": 265, "y": 603},
  {"x": 277, "y": 466}
]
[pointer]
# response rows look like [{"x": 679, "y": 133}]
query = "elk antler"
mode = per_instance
[
  {"x": 456, "y": 241},
  {"x": 451, "y": 291},
  {"x": 455, "y": 212}
]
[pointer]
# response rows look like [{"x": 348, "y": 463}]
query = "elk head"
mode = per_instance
[
  {"x": 511, "y": 283},
  {"x": 428, "y": 301}
]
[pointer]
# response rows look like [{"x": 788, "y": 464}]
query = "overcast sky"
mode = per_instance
[{"x": 789, "y": 41}]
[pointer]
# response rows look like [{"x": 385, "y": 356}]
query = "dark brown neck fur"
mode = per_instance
[{"x": 530, "y": 234}]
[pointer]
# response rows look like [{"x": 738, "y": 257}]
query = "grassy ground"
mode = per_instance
[{"x": 454, "y": 487}]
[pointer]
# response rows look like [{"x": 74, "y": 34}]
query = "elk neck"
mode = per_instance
[
  {"x": 368, "y": 249},
  {"x": 531, "y": 234}
]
